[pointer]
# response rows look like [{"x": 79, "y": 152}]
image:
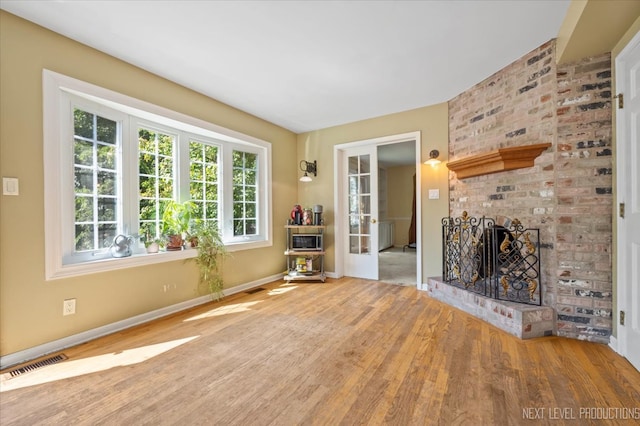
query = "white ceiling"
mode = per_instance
[{"x": 307, "y": 65}]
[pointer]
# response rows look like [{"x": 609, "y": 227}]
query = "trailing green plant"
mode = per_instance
[{"x": 210, "y": 256}]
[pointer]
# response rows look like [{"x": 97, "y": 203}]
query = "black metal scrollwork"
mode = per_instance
[{"x": 501, "y": 262}]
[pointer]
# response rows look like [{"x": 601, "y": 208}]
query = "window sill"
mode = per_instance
[
  {"x": 139, "y": 259},
  {"x": 112, "y": 264}
]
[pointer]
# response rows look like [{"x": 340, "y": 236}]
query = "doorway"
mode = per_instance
[
  {"x": 366, "y": 263},
  {"x": 397, "y": 212}
]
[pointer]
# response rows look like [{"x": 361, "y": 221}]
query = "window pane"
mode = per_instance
[
  {"x": 146, "y": 164},
  {"x": 198, "y": 210},
  {"x": 250, "y": 210},
  {"x": 84, "y": 181},
  {"x": 250, "y": 177},
  {"x": 165, "y": 167},
  {"x": 196, "y": 172},
  {"x": 107, "y": 233},
  {"x": 84, "y": 237},
  {"x": 238, "y": 175},
  {"x": 195, "y": 151},
  {"x": 83, "y": 152},
  {"x": 250, "y": 161},
  {"x": 84, "y": 209},
  {"x": 238, "y": 210},
  {"x": 211, "y": 173},
  {"x": 237, "y": 159},
  {"x": 251, "y": 228},
  {"x": 353, "y": 165},
  {"x": 238, "y": 227},
  {"x": 354, "y": 245},
  {"x": 165, "y": 188},
  {"x": 107, "y": 156},
  {"x": 212, "y": 192},
  {"x": 211, "y": 154},
  {"x": 106, "y": 209},
  {"x": 165, "y": 145},
  {"x": 107, "y": 130},
  {"x": 250, "y": 193},
  {"x": 212, "y": 211},
  {"x": 83, "y": 124},
  {"x": 106, "y": 183},
  {"x": 364, "y": 164},
  {"x": 148, "y": 209},
  {"x": 196, "y": 190}
]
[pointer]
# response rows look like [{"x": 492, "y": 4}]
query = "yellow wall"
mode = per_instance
[
  {"x": 400, "y": 200},
  {"x": 432, "y": 122},
  {"x": 594, "y": 27},
  {"x": 30, "y": 307}
]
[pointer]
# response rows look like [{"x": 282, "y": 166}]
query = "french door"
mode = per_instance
[{"x": 361, "y": 219}]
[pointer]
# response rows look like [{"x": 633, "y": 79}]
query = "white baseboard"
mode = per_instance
[
  {"x": 613, "y": 344},
  {"x": 76, "y": 339}
]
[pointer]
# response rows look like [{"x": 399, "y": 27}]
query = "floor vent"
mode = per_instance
[
  {"x": 36, "y": 365},
  {"x": 254, "y": 290}
]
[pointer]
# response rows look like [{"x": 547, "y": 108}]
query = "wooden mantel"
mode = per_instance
[{"x": 500, "y": 160}]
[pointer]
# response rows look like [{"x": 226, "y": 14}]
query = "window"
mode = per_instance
[
  {"x": 204, "y": 179},
  {"x": 112, "y": 163},
  {"x": 155, "y": 178},
  {"x": 96, "y": 192}
]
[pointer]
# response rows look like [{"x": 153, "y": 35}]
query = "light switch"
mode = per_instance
[
  {"x": 434, "y": 194},
  {"x": 10, "y": 186}
]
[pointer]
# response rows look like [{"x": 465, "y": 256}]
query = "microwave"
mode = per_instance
[{"x": 306, "y": 242}]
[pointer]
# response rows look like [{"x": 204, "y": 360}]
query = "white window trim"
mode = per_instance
[{"x": 54, "y": 153}]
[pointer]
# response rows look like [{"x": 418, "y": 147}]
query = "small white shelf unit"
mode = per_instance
[{"x": 317, "y": 256}]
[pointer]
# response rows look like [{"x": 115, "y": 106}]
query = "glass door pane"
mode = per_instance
[{"x": 359, "y": 202}]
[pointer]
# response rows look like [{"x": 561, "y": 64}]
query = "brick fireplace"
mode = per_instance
[{"x": 566, "y": 193}]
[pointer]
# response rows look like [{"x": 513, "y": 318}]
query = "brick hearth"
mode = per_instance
[{"x": 523, "y": 321}]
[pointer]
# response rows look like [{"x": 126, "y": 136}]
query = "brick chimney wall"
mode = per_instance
[{"x": 567, "y": 193}]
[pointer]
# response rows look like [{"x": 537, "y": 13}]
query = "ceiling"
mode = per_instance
[{"x": 308, "y": 65}]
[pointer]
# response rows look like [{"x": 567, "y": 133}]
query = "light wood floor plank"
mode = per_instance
[{"x": 344, "y": 352}]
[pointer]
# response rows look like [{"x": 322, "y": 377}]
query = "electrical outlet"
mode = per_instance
[{"x": 69, "y": 307}]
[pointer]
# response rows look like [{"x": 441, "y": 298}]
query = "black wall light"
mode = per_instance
[{"x": 308, "y": 167}]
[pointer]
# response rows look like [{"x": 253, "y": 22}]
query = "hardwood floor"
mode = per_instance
[{"x": 345, "y": 352}]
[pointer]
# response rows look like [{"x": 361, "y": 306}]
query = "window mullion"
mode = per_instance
[{"x": 181, "y": 171}]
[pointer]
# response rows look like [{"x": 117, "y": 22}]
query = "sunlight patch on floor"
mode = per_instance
[
  {"x": 281, "y": 290},
  {"x": 75, "y": 368},
  {"x": 225, "y": 310}
]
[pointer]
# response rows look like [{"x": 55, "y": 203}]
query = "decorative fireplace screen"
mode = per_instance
[{"x": 500, "y": 262}]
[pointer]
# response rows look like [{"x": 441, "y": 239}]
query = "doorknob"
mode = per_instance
[{"x": 373, "y": 221}]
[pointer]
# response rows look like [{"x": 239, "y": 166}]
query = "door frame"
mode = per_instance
[
  {"x": 619, "y": 342},
  {"x": 339, "y": 174}
]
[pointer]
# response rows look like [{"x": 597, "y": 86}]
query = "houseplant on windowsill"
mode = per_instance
[
  {"x": 175, "y": 223},
  {"x": 210, "y": 256}
]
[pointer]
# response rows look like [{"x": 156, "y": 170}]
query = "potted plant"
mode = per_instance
[
  {"x": 211, "y": 254},
  {"x": 175, "y": 222}
]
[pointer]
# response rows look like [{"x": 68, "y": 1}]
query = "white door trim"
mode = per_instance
[
  {"x": 338, "y": 195},
  {"x": 623, "y": 298}
]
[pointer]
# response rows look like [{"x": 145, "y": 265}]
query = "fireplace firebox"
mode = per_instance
[{"x": 497, "y": 261}]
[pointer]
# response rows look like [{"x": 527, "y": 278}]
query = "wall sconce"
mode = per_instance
[
  {"x": 433, "y": 158},
  {"x": 308, "y": 167}
]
